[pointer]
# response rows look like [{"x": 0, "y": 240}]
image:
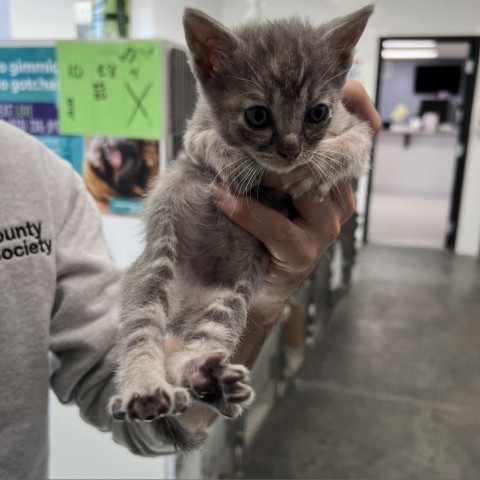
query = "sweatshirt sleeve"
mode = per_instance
[{"x": 83, "y": 321}]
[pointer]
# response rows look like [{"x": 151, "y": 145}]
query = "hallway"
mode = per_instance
[{"x": 392, "y": 391}]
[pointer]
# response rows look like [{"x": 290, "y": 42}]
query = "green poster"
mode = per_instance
[{"x": 110, "y": 88}]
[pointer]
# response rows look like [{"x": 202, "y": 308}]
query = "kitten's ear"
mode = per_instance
[
  {"x": 210, "y": 43},
  {"x": 343, "y": 33}
]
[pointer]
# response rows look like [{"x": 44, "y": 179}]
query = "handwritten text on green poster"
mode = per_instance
[{"x": 110, "y": 88}]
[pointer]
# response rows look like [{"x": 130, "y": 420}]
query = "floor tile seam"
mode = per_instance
[{"x": 387, "y": 397}]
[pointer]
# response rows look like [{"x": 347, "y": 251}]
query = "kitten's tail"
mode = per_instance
[{"x": 173, "y": 433}]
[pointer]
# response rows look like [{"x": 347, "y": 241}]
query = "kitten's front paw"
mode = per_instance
[
  {"x": 302, "y": 181},
  {"x": 150, "y": 405},
  {"x": 222, "y": 385}
]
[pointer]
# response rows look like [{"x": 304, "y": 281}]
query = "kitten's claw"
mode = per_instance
[
  {"x": 222, "y": 385},
  {"x": 150, "y": 406},
  {"x": 302, "y": 181},
  {"x": 116, "y": 409},
  {"x": 181, "y": 400}
]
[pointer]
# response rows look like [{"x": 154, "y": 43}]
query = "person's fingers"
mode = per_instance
[
  {"x": 356, "y": 99},
  {"x": 256, "y": 218},
  {"x": 281, "y": 236},
  {"x": 299, "y": 242}
]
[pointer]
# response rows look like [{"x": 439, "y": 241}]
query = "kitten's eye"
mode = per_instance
[
  {"x": 257, "y": 117},
  {"x": 317, "y": 114}
]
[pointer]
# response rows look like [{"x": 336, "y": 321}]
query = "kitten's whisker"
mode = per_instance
[
  {"x": 262, "y": 172},
  {"x": 331, "y": 163},
  {"x": 334, "y": 180},
  {"x": 313, "y": 173},
  {"x": 244, "y": 180},
  {"x": 321, "y": 172},
  {"x": 235, "y": 161},
  {"x": 248, "y": 178},
  {"x": 224, "y": 168},
  {"x": 321, "y": 162},
  {"x": 252, "y": 178},
  {"x": 246, "y": 168},
  {"x": 321, "y": 154},
  {"x": 241, "y": 171},
  {"x": 331, "y": 168},
  {"x": 325, "y": 172},
  {"x": 340, "y": 153},
  {"x": 240, "y": 166},
  {"x": 321, "y": 150}
]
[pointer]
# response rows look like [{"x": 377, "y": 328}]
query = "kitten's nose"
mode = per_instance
[
  {"x": 289, "y": 147},
  {"x": 290, "y": 155}
]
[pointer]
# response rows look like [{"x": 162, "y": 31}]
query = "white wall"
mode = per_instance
[
  {"x": 41, "y": 19},
  {"x": 163, "y": 18}
]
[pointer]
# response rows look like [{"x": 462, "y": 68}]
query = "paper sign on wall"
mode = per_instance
[{"x": 110, "y": 88}]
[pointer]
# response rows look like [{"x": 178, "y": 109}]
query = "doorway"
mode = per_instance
[{"x": 424, "y": 95}]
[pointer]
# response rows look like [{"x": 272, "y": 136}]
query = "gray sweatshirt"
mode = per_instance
[{"x": 58, "y": 286}]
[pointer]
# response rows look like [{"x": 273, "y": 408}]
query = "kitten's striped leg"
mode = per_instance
[
  {"x": 144, "y": 392},
  {"x": 202, "y": 363}
]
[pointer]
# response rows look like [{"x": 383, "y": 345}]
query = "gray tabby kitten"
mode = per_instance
[{"x": 269, "y": 101}]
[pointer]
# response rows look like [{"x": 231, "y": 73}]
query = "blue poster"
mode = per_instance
[
  {"x": 69, "y": 148},
  {"x": 28, "y": 74}
]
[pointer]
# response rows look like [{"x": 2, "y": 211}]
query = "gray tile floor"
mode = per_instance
[{"x": 392, "y": 391}]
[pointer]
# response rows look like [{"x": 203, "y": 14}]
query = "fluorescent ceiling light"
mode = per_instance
[
  {"x": 409, "y": 44},
  {"x": 404, "y": 53}
]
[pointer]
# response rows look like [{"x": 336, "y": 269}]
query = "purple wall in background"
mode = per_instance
[{"x": 398, "y": 86}]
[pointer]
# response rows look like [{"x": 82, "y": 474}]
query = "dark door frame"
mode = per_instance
[{"x": 463, "y": 136}]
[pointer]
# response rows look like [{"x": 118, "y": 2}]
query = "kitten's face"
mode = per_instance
[
  {"x": 279, "y": 104},
  {"x": 273, "y": 88}
]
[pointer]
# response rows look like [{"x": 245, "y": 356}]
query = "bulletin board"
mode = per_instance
[{"x": 110, "y": 88}]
